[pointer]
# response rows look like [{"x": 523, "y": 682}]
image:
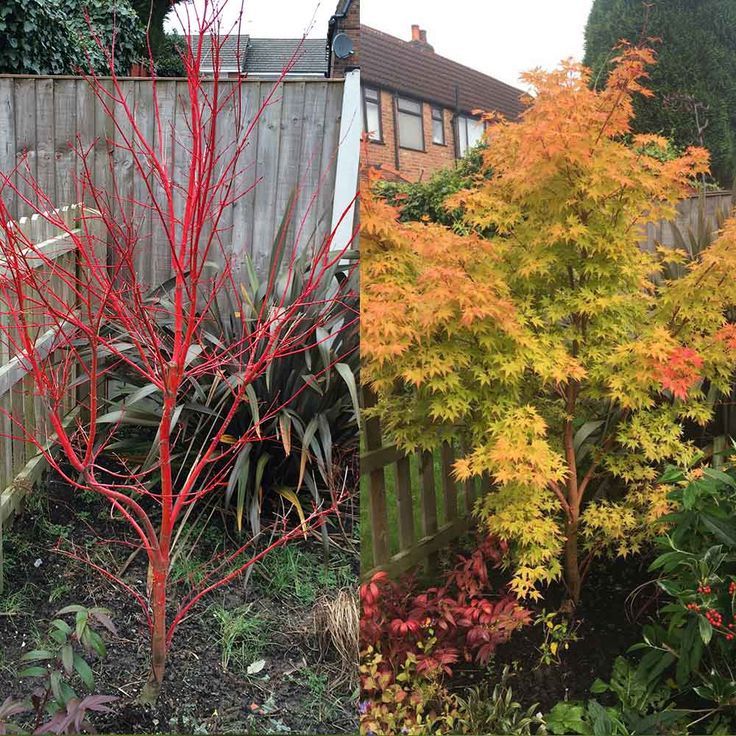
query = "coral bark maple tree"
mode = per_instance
[
  {"x": 111, "y": 321},
  {"x": 554, "y": 349}
]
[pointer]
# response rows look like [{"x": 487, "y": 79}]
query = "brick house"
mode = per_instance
[
  {"x": 343, "y": 39},
  {"x": 418, "y": 106}
]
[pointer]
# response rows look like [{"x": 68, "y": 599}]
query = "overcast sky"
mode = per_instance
[{"x": 501, "y": 39}]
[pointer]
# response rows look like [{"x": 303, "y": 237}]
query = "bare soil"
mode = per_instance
[{"x": 298, "y": 690}]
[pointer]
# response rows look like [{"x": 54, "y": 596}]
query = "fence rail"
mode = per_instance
[{"x": 415, "y": 506}]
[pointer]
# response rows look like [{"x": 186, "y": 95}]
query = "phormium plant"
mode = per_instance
[
  {"x": 115, "y": 322},
  {"x": 299, "y": 443}
]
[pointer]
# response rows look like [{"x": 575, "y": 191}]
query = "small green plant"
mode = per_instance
[
  {"x": 559, "y": 633},
  {"x": 585, "y": 718},
  {"x": 15, "y": 602},
  {"x": 59, "y": 591},
  {"x": 243, "y": 636},
  {"x": 319, "y": 702},
  {"x": 59, "y": 667},
  {"x": 491, "y": 708}
]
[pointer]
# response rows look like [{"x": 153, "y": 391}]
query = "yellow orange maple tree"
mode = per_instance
[{"x": 554, "y": 350}]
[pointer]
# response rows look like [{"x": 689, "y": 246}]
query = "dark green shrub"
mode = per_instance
[
  {"x": 54, "y": 36},
  {"x": 426, "y": 200},
  {"x": 696, "y": 64},
  {"x": 303, "y": 444},
  {"x": 169, "y": 61}
]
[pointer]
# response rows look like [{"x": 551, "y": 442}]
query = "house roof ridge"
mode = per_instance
[
  {"x": 405, "y": 67},
  {"x": 417, "y": 47}
]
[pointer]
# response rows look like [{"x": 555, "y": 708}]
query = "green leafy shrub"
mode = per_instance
[
  {"x": 169, "y": 61},
  {"x": 426, "y": 200},
  {"x": 59, "y": 668},
  {"x": 54, "y": 36},
  {"x": 688, "y": 654},
  {"x": 492, "y": 709},
  {"x": 693, "y": 640}
]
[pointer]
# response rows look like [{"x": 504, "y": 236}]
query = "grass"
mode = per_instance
[
  {"x": 16, "y": 601},
  {"x": 243, "y": 636},
  {"x": 291, "y": 572},
  {"x": 321, "y": 702},
  {"x": 392, "y": 507}
]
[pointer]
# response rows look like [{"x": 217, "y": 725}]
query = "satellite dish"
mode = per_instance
[{"x": 342, "y": 46}]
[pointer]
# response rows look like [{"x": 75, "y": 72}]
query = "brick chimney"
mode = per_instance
[{"x": 419, "y": 38}]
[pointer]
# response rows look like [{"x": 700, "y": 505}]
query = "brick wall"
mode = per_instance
[
  {"x": 412, "y": 165},
  {"x": 349, "y": 25}
]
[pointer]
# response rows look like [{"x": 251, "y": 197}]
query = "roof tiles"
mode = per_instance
[{"x": 407, "y": 67}]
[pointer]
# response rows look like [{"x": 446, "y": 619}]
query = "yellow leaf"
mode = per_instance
[{"x": 289, "y": 495}]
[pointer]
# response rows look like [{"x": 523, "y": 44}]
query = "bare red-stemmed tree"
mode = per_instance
[{"x": 112, "y": 321}]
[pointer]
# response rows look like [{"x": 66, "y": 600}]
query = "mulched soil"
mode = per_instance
[
  {"x": 198, "y": 696},
  {"x": 609, "y": 620}
]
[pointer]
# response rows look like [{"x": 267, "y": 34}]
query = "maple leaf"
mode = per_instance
[{"x": 681, "y": 371}]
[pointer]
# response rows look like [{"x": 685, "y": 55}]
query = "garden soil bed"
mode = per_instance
[
  {"x": 298, "y": 690},
  {"x": 608, "y": 620}
]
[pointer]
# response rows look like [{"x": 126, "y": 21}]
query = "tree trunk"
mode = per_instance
[
  {"x": 149, "y": 694},
  {"x": 572, "y": 563}
]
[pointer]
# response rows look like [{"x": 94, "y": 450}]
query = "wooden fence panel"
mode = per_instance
[
  {"x": 688, "y": 212},
  {"x": 291, "y": 149},
  {"x": 406, "y": 491},
  {"x": 20, "y": 465}
]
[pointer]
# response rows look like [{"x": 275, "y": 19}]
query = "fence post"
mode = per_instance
[
  {"x": 405, "y": 503},
  {"x": 449, "y": 487}
]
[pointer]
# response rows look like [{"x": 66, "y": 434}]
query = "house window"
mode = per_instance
[
  {"x": 438, "y": 126},
  {"x": 372, "y": 113},
  {"x": 411, "y": 127},
  {"x": 469, "y": 133}
]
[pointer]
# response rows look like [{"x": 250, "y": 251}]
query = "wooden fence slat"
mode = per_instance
[
  {"x": 245, "y": 180},
  {"x": 25, "y": 136},
  {"x": 310, "y": 155},
  {"x": 47, "y": 104},
  {"x": 377, "y": 493},
  {"x": 429, "y": 500},
  {"x": 449, "y": 487},
  {"x": 269, "y": 134},
  {"x": 66, "y": 127},
  {"x": 405, "y": 503}
]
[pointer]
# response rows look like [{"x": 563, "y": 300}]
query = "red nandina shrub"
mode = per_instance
[{"x": 459, "y": 619}]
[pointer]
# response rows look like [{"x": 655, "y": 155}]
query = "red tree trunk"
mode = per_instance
[{"x": 149, "y": 694}]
